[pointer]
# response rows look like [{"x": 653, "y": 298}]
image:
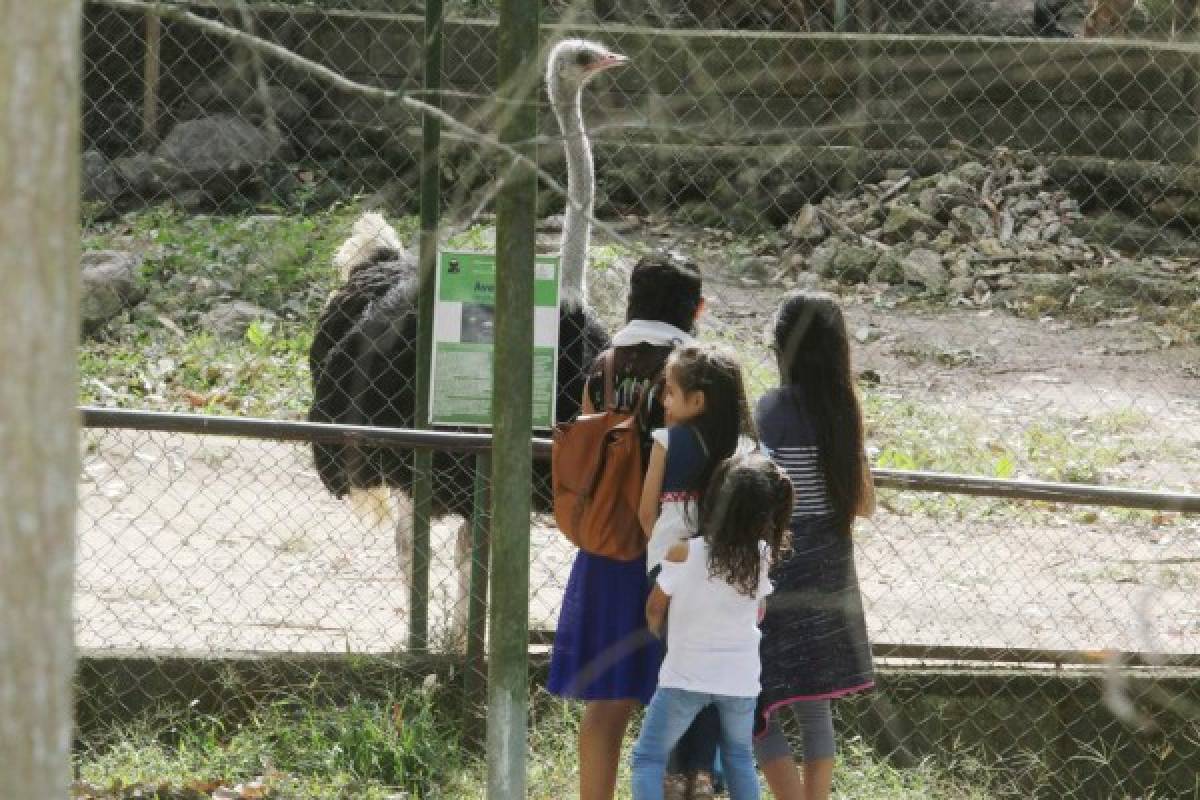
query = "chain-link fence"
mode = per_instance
[{"x": 1006, "y": 206}]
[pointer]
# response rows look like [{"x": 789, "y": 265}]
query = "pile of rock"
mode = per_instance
[{"x": 980, "y": 235}]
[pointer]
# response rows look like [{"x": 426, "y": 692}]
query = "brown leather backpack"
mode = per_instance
[{"x": 596, "y": 476}]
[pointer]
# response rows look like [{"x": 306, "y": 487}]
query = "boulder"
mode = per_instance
[
  {"x": 1045, "y": 284},
  {"x": 807, "y": 226},
  {"x": 217, "y": 157},
  {"x": 924, "y": 267},
  {"x": 143, "y": 174},
  {"x": 890, "y": 269},
  {"x": 903, "y": 221},
  {"x": 230, "y": 320},
  {"x": 110, "y": 283},
  {"x": 848, "y": 263},
  {"x": 101, "y": 182}
]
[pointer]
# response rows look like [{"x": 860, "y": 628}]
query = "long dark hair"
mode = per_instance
[
  {"x": 726, "y": 415},
  {"x": 667, "y": 288},
  {"x": 748, "y": 502},
  {"x": 813, "y": 350}
]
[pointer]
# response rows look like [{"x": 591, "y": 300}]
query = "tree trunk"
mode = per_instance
[{"x": 39, "y": 324}]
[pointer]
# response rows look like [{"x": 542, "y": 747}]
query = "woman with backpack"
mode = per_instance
[{"x": 603, "y": 653}]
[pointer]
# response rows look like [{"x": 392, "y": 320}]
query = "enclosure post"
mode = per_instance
[
  {"x": 40, "y": 54},
  {"x": 150, "y": 73},
  {"x": 512, "y": 407},
  {"x": 431, "y": 203},
  {"x": 475, "y": 683}
]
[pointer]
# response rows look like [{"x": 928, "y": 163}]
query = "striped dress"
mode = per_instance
[{"x": 814, "y": 643}]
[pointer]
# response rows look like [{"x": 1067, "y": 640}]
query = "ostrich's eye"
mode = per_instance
[{"x": 583, "y": 59}]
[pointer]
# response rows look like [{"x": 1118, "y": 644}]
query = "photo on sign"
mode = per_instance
[{"x": 478, "y": 323}]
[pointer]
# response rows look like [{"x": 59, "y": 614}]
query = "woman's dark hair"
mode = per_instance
[
  {"x": 749, "y": 501},
  {"x": 726, "y": 415},
  {"x": 667, "y": 288},
  {"x": 813, "y": 350}
]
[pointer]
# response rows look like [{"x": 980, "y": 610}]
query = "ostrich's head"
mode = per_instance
[{"x": 574, "y": 62}]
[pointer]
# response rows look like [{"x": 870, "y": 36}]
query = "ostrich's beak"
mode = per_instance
[{"x": 609, "y": 62}]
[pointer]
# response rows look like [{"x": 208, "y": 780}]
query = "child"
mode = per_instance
[
  {"x": 705, "y": 411},
  {"x": 713, "y": 586},
  {"x": 814, "y": 645}
]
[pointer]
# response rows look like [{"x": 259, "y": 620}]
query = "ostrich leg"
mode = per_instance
[
  {"x": 462, "y": 596},
  {"x": 404, "y": 535}
]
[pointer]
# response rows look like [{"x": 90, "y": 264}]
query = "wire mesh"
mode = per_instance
[{"x": 1005, "y": 203}]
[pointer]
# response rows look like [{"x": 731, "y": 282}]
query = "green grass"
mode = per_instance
[
  {"x": 373, "y": 750},
  {"x": 364, "y": 750}
]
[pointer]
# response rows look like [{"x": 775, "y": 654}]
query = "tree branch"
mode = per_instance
[{"x": 171, "y": 11}]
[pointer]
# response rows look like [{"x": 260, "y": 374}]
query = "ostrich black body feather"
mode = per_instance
[{"x": 363, "y": 365}]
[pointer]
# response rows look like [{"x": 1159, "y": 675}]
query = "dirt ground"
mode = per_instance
[{"x": 209, "y": 545}]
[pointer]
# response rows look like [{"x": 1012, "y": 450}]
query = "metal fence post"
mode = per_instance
[
  {"x": 431, "y": 178},
  {"x": 475, "y": 682},
  {"x": 516, "y": 210}
]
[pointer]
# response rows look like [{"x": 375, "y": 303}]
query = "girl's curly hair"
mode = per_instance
[{"x": 749, "y": 501}]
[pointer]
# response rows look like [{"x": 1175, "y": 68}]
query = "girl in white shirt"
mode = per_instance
[{"x": 710, "y": 592}]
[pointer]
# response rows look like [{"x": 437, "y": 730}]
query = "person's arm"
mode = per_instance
[
  {"x": 652, "y": 489},
  {"x": 656, "y": 610},
  {"x": 660, "y": 601}
]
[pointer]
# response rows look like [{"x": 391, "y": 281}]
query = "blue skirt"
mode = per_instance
[{"x": 602, "y": 648}]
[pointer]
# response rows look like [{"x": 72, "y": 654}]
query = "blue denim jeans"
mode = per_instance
[{"x": 669, "y": 715}]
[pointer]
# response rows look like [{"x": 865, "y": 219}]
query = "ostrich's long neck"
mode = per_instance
[{"x": 577, "y": 223}]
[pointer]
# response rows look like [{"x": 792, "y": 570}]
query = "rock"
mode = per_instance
[
  {"x": 972, "y": 173},
  {"x": 943, "y": 242},
  {"x": 903, "y": 221},
  {"x": 1045, "y": 284},
  {"x": 992, "y": 247},
  {"x": 1142, "y": 284},
  {"x": 1052, "y": 232},
  {"x": 927, "y": 201},
  {"x": 551, "y": 224},
  {"x": 143, "y": 173},
  {"x": 889, "y": 270},
  {"x": 807, "y": 280},
  {"x": 807, "y": 226},
  {"x": 924, "y": 267},
  {"x": 110, "y": 283},
  {"x": 759, "y": 269},
  {"x": 974, "y": 222},
  {"x": 847, "y": 263},
  {"x": 1025, "y": 208},
  {"x": 216, "y": 143},
  {"x": 220, "y": 156},
  {"x": 954, "y": 184},
  {"x": 101, "y": 182},
  {"x": 230, "y": 320},
  {"x": 961, "y": 285}
]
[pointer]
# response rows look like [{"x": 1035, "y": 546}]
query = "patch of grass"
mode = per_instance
[
  {"x": 365, "y": 750},
  {"x": 917, "y": 435},
  {"x": 369, "y": 751}
]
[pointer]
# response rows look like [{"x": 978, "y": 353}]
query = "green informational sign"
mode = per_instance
[{"x": 463, "y": 328}]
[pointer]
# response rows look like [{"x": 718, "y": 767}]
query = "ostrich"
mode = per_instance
[{"x": 363, "y": 354}]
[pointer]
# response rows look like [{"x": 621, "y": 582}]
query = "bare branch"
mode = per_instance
[{"x": 167, "y": 10}]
